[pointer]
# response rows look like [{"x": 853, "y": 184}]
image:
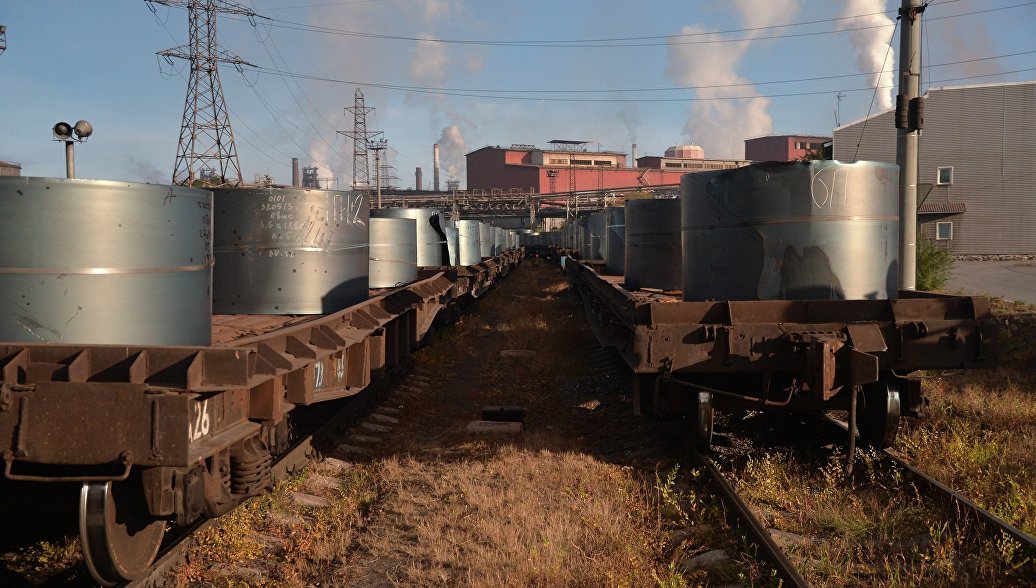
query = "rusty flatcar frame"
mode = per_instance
[
  {"x": 95, "y": 412},
  {"x": 797, "y": 354}
]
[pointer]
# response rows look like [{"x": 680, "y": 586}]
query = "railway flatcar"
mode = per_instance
[
  {"x": 784, "y": 299},
  {"x": 163, "y": 428}
]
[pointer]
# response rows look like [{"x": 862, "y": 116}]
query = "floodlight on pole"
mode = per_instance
[{"x": 70, "y": 135}]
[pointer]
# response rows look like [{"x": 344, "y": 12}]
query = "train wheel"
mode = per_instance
[
  {"x": 120, "y": 537},
  {"x": 878, "y": 414},
  {"x": 701, "y": 415}
]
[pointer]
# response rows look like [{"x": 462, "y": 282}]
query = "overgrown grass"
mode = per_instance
[
  {"x": 439, "y": 506},
  {"x": 872, "y": 529},
  {"x": 979, "y": 433}
]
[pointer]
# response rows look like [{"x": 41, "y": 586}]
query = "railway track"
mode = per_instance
[
  {"x": 971, "y": 527},
  {"x": 992, "y": 525}
]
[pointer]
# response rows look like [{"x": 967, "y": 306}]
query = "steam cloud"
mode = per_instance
[
  {"x": 451, "y": 151},
  {"x": 717, "y": 121},
  {"x": 872, "y": 45}
]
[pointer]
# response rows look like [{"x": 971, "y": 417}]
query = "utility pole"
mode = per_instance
[
  {"x": 377, "y": 147},
  {"x": 838, "y": 109},
  {"x": 3, "y": 38},
  {"x": 361, "y": 138},
  {"x": 206, "y": 138},
  {"x": 909, "y": 121},
  {"x": 452, "y": 185}
]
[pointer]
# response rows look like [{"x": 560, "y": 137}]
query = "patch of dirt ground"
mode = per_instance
[{"x": 585, "y": 495}]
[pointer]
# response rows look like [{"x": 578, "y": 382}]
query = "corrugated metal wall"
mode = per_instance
[{"x": 986, "y": 133}]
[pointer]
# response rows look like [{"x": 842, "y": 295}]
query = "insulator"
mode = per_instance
[
  {"x": 916, "y": 114},
  {"x": 902, "y": 114}
]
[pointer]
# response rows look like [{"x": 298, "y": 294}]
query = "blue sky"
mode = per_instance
[{"x": 469, "y": 73}]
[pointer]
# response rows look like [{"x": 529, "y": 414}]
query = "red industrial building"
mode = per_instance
[
  {"x": 570, "y": 167},
  {"x": 783, "y": 147}
]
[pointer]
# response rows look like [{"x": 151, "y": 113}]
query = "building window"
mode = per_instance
[
  {"x": 944, "y": 176},
  {"x": 558, "y": 161},
  {"x": 582, "y": 162},
  {"x": 671, "y": 164},
  {"x": 602, "y": 162},
  {"x": 943, "y": 231}
]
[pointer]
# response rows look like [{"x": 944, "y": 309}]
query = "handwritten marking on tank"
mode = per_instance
[{"x": 824, "y": 186}]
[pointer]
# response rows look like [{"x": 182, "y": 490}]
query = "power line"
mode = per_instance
[
  {"x": 618, "y": 42},
  {"x": 295, "y": 98},
  {"x": 680, "y": 99},
  {"x": 656, "y": 89}
]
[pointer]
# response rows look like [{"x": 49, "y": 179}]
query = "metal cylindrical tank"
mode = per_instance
[
  {"x": 595, "y": 226},
  {"x": 469, "y": 250},
  {"x": 289, "y": 250},
  {"x": 393, "y": 252},
  {"x": 583, "y": 236},
  {"x": 432, "y": 247},
  {"x": 100, "y": 262},
  {"x": 653, "y": 258},
  {"x": 614, "y": 240},
  {"x": 819, "y": 230},
  {"x": 499, "y": 240},
  {"x": 452, "y": 238},
  {"x": 485, "y": 239}
]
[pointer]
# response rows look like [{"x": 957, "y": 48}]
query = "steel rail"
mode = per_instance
[
  {"x": 987, "y": 519},
  {"x": 755, "y": 530}
]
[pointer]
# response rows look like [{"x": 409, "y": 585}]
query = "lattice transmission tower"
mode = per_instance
[
  {"x": 206, "y": 139},
  {"x": 361, "y": 141}
]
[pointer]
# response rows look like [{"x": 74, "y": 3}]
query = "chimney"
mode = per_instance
[
  {"x": 435, "y": 168},
  {"x": 419, "y": 177},
  {"x": 295, "y": 180},
  {"x": 634, "y": 154}
]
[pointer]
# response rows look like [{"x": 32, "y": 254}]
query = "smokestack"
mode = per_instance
[
  {"x": 419, "y": 177},
  {"x": 633, "y": 152},
  {"x": 296, "y": 181},
  {"x": 435, "y": 168}
]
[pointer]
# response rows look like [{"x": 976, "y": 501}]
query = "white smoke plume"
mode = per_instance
[
  {"x": 718, "y": 122},
  {"x": 451, "y": 151},
  {"x": 871, "y": 42},
  {"x": 631, "y": 121},
  {"x": 430, "y": 63},
  {"x": 146, "y": 171}
]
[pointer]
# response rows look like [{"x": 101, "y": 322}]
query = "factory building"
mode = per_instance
[
  {"x": 783, "y": 147},
  {"x": 569, "y": 166},
  {"x": 976, "y": 190},
  {"x": 10, "y": 169}
]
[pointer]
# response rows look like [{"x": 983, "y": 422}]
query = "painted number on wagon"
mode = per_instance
[{"x": 199, "y": 426}]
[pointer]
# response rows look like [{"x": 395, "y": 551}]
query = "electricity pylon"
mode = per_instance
[{"x": 206, "y": 139}]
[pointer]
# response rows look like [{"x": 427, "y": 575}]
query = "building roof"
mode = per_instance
[
  {"x": 803, "y": 135},
  {"x": 939, "y": 89}
]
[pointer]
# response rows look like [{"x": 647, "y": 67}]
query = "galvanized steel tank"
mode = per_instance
[
  {"x": 469, "y": 251},
  {"x": 452, "y": 237},
  {"x": 289, "y": 250},
  {"x": 101, "y": 262},
  {"x": 485, "y": 239},
  {"x": 595, "y": 226},
  {"x": 653, "y": 258},
  {"x": 393, "y": 252},
  {"x": 499, "y": 240},
  {"x": 614, "y": 240},
  {"x": 583, "y": 235},
  {"x": 432, "y": 248},
  {"x": 820, "y": 230}
]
